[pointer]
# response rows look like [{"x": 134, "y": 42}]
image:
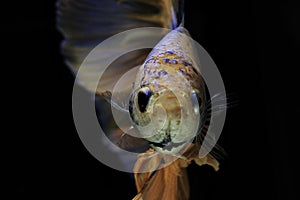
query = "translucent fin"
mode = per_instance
[
  {"x": 86, "y": 23},
  {"x": 116, "y": 134},
  {"x": 178, "y": 8},
  {"x": 170, "y": 182}
]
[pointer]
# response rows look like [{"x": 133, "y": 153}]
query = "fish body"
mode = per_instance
[
  {"x": 169, "y": 94},
  {"x": 167, "y": 105}
]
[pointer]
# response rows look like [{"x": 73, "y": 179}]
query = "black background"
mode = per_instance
[{"x": 256, "y": 48}]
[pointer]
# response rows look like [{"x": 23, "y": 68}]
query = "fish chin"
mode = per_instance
[{"x": 170, "y": 148}]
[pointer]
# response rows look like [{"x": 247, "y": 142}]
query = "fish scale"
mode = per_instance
[{"x": 169, "y": 73}]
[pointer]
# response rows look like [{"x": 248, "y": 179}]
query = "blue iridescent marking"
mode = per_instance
[
  {"x": 162, "y": 72},
  {"x": 169, "y": 52},
  {"x": 181, "y": 70},
  {"x": 185, "y": 63},
  {"x": 166, "y": 60},
  {"x": 174, "y": 61}
]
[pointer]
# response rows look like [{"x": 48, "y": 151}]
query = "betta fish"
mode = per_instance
[{"x": 167, "y": 102}]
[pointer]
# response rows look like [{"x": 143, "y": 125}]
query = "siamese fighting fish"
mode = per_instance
[{"x": 168, "y": 104}]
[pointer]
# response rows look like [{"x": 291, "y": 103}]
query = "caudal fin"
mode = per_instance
[{"x": 168, "y": 182}]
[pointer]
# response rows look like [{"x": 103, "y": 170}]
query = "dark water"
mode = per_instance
[{"x": 254, "y": 44}]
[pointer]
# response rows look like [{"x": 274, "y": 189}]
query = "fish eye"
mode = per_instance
[
  {"x": 143, "y": 98},
  {"x": 196, "y": 101}
]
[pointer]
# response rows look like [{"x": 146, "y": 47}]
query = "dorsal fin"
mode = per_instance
[{"x": 86, "y": 23}]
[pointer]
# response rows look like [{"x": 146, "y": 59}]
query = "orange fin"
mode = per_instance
[{"x": 170, "y": 182}]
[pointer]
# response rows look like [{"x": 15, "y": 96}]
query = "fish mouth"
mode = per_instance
[{"x": 166, "y": 145}]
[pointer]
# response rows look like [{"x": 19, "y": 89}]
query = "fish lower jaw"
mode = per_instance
[
  {"x": 171, "y": 148},
  {"x": 168, "y": 148}
]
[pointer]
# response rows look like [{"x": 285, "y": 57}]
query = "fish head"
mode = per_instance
[{"x": 167, "y": 114}]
